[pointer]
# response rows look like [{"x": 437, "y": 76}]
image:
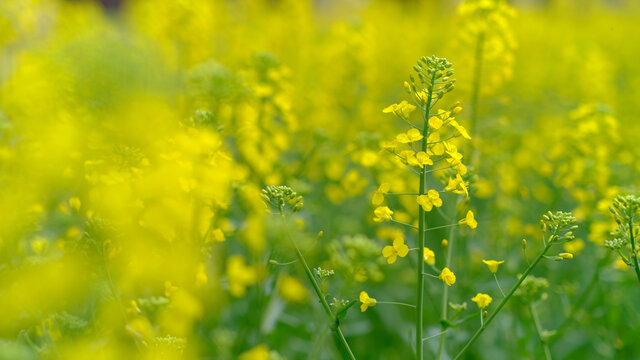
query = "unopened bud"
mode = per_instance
[
  {"x": 524, "y": 244},
  {"x": 445, "y": 243}
]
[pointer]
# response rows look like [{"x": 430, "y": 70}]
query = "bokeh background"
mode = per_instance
[{"x": 136, "y": 135}]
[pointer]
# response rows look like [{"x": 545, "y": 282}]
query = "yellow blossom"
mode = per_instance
[
  {"x": 378, "y": 196},
  {"x": 404, "y": 109},
  {"x": 493, "y": 265},
  {"x": 240, "y": 275},
  {"x": 429, "y": 256},
  {"x": 436, "y": 146},
  {"x": 366, "y": 301},
  {"x": 460, "y": 129},
  {"x": 469, "y": 220},
  {"x": 435, "y": 122},
  {"x": 428, "y": 201},
  {"x": 457, "y": 186},
  {"x": 447, "y": 276},
  {"x": 292, "y": 289},
  {"x": 423, "y": 159},
  {"x": 410, "y": 136},
  {"x": 399, "y": 248},
  {"x": 75, "y": 203},
  {"x": 382, "y": 213},
  {"x": 483, "y": 300},
  {"x": 566, "y": 256},
  {"x": 260, "y": 352}
]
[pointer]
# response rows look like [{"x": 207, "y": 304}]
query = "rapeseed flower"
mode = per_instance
[
  {"x": 382, "y": 213},
  {"x": 469, "y": 220},
  {"x": 366, "y": 301},
  {"x": 492, "y": 265},
  {"x": 428, "y": 201},
  {"x": 447, "y": 276},
  {"x": 399, "y": 248},
  {"x": 483, "y": 300}
]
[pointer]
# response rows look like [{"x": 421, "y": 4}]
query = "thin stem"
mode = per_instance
[
  {"x": 634, "y": 252},
  {"x": 316, "y": 289},
  {"x": 498, "y": 283},
  {"x": 543, "y": 340},
  {"x": 403, "y": 223},
  {"x": 504, "y": 300},
  {"x": 435, "y": 335},
  {"x": 441, "y": 227},
  {"x": 422, "y": 234},
  {"x": 481, "y": 318},
  {"x": 395, "y": 303},
  {"x": 431, "y": 275}
]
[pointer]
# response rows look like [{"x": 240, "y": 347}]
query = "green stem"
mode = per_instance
[
  {"x": 634, "y": 252},
  {"x": 316, "y": 288},
  {"x": 504, "y": 300},
  {"x": 421, "y": 233},
  {"x": 536, "y": 322}
]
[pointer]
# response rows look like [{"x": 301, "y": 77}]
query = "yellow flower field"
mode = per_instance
[{"x": 319, "y": 179}]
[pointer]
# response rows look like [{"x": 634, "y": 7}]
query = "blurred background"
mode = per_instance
[{"x": 136, "y": 135}]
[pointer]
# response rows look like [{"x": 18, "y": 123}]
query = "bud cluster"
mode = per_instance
[
  {"x": 282, "y": 197},
  {"x": 432, "y": 71},
  {"x": 560, "y": 225}
]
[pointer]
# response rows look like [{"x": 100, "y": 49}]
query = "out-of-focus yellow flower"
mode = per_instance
[
  {"x": 378, "y": 195},
  {"x": 240, "y": 275},
  {"x": 259, "y": 352},
  {"x": 492, "y": 265},
  {"x": 366, "y": 301},
  {"x": 428, "y": 201},
  {"x": 382, "y": 213},
  {"x": 573, "y": 246},
  {"x": 75, "y": 203},
  {"x": 410, "y": 136},
  {"x": 429, "y": 256},
  {"x": 399, "y": 248},
  {"x": 292, "y": 289},
  {"x": 469, "y": 220},
  {"x": 444, "y": 243},
  {"x": 483, "y": 300},
  {"x": 217, "y": 235},
  {"x": 447, "y": 276}
]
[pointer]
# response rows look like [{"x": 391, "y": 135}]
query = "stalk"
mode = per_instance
[
  {"x": 536, "y": 322},
  {"x": 504, "y": 300},
  {"x": 421, "y": 232},
  {"x": 634, "y": 252},
  {"x": 316, "y": 288}
]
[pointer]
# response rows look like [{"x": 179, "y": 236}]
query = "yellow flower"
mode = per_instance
[
  {"x": 398, "y": 249},
  {"x": 382, "y": 213},
  {"x": 429, "y": 256},
  {"x": 435, "y": 122},
  {"x": 378, "y": 196},
  {"x": 423, "y": 159},
  {"x": 240, "y": 275},
  {"x": 404, "y": 109},
  {"x": 410, "y": 136},
  {"x": 410, "y": 157},
  {"x": 75, "y": 203},
  {"x": 493, "y": 265},
  {"x": 436, "y": 146},
  {"x": 292, "y": 289},
  {"x": 447, "y": 276},
  {"x": 573, "y": 246},
  {"x": 260, "y": 352},
  {"x": 469, "y": 220},
  {"x": 460, "y": 129},
  {"x": 428, "y": 201},
  {"x": 483, "y": 300},
  {"x": 457, "y": 186},
  {"x": 389, "y": 145},
  {"x": 566, "y": 256},
  {"x": 366, "y": 301}
]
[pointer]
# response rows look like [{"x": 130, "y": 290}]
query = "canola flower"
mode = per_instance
[
  {"x": 482, "y": 300},
  {"x": 493, "y": 265}
]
